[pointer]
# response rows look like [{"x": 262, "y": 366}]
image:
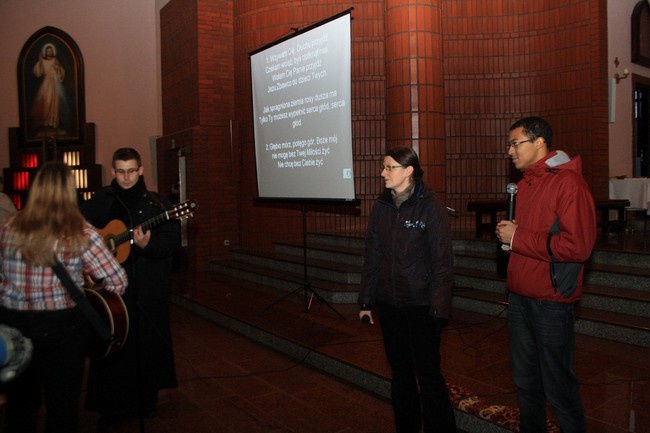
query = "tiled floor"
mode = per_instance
[
  {"x": 232, "y": 385},
  {"x": 227, "y": 383}
]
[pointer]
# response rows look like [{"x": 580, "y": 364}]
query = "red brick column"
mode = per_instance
[{"x": 414, "y": 84}]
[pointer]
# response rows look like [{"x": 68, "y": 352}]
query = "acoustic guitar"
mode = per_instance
[
  {"x": 109, "y": 305},
  {"x": 112, "y": 310},
  {"x": 119, "y": 238}
]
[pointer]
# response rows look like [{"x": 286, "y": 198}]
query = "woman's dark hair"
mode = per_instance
[
  {"x": 126, "y": 154},
  {"x": 535, "y": 127},
  {"x": 406, "y": 156}
]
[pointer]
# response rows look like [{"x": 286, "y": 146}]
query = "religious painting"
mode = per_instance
[{"x": 50, "y": 83}]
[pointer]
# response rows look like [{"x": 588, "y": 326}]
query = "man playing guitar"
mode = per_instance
[{"x": 125, "y": 384}]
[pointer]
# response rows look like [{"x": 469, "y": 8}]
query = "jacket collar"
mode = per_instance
[{"x": 387, "y": 197}]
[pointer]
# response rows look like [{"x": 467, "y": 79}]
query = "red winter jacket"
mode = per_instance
[{"x": 552, "y": 191}]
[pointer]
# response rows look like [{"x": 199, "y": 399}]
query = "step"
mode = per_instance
[
  {"x": 318, "y": 269},
  {"x": 621, "y": 258},
  {"x": 617, "y": 300},
  {"x": 334, "y": 263},
  {"x": 345, "y": 254},
  {"x": 480, "y": 279},
  {"x": 336, "y": 240},
  {"x": 331, "y": 291},
  {"x": 611, "y": 325},
  {"x": 479, "y": 301},
  {"x": 615, "y": 275},
  {"x": 475, "y": 260}
]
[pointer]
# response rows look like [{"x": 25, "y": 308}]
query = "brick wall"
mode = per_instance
[
  {"x": 198, "y": 118},
  {"x": 447, "y": 76},
  {"x": 505, "y": 60}
]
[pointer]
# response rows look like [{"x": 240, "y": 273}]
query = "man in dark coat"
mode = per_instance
[{"x": 126, "y": 383}]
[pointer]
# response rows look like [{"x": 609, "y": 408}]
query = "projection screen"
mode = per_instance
[{"x": 302, "y": 114}]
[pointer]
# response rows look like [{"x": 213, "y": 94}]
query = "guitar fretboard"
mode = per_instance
[{"x": 147, "y": 225}]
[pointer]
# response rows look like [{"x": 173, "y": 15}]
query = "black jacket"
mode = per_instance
[
  {"x": 111, "y": 384},
  {"x": 409, "y": 258}
]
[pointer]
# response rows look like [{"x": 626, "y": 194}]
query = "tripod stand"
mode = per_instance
[{"x": 309, "y": 292}]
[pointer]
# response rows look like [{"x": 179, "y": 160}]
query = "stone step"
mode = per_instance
[
  {"x": 618, "y": 300},
  {"x": 347, "y": 254},
  {"x": 485, "y": 261},
  {"x": 616, "y": 326},
  {"x": 613, "y": 273},
  {"x": 354, "y": 242},
  {"x": 622, "y": 258},
  {"x": 269, "y": 276},
  {"x": 477, "y": 278},
  {"x": 290, "y": 263},
  {"x": 616, "y": 292},
  {"x": 614, "y": 299}
]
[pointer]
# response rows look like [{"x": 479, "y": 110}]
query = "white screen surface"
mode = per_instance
[{"x": 302, "y": 114}]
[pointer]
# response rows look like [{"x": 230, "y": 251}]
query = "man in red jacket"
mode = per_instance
[{"x": 551, "y": 237}]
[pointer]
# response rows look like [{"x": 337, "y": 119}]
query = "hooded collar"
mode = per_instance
[{"x": 553, "y": 163}]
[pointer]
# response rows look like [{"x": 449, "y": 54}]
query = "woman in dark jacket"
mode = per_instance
[
  {"x": 408, "y": 274},
  {"x": 126, "y": 383}
]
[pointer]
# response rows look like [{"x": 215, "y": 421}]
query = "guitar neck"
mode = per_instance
[{"x": 147, "y": 225}]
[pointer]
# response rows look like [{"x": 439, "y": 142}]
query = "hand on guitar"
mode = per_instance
[
  {"x": 140, "y": 238},
  {"x": 119, "y": 238}
]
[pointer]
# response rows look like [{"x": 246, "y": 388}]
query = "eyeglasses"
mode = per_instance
[
  {"x": 515, "y": 144},
  {"x": 388, "y": 168},
  {"x": 129, "y": 171}
]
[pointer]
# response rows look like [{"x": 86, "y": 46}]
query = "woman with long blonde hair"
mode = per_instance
[{"x": 33, "y": 299}]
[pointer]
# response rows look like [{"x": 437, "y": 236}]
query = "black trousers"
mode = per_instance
[
  {"x": 55, "y": 372},
  {"x": 419, "y": 393}
]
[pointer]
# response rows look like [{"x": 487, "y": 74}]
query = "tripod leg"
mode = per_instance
[
  {"x": 277, "y": 301},
  {"x": 314, "y": 293}
]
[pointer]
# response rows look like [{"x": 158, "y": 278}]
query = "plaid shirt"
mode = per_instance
[{"x": 36, "y": 288}]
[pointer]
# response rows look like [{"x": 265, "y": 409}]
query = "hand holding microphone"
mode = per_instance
[{"x": 512, "y": 191}]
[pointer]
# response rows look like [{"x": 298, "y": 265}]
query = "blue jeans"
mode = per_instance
[
  {"x": 419, "y": 392},
  {"x": 542, "y": 348}
]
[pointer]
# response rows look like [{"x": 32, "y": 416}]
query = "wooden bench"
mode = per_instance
[{"x": 492, "y": 207}]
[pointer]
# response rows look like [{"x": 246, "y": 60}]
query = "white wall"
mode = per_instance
[
  {"x": 119, "y": 42},
  {"x": 621, "y": 145}
]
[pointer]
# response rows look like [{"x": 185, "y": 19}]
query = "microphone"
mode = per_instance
[
  {"x": 365, "y": 320},
  {"x": 502, "y": 259},
  {"x": 512, "y": 190}
]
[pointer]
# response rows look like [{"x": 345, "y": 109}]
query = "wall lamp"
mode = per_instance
[
  {"x": 618, "y": 77},
  {"x": 626, "y": 72}
]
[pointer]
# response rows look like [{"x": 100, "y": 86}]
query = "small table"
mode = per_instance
[
  {"x": 634, "y": 189},
  {"x": 486, "y": 206},
  {"x": 604, "y": 206}
]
